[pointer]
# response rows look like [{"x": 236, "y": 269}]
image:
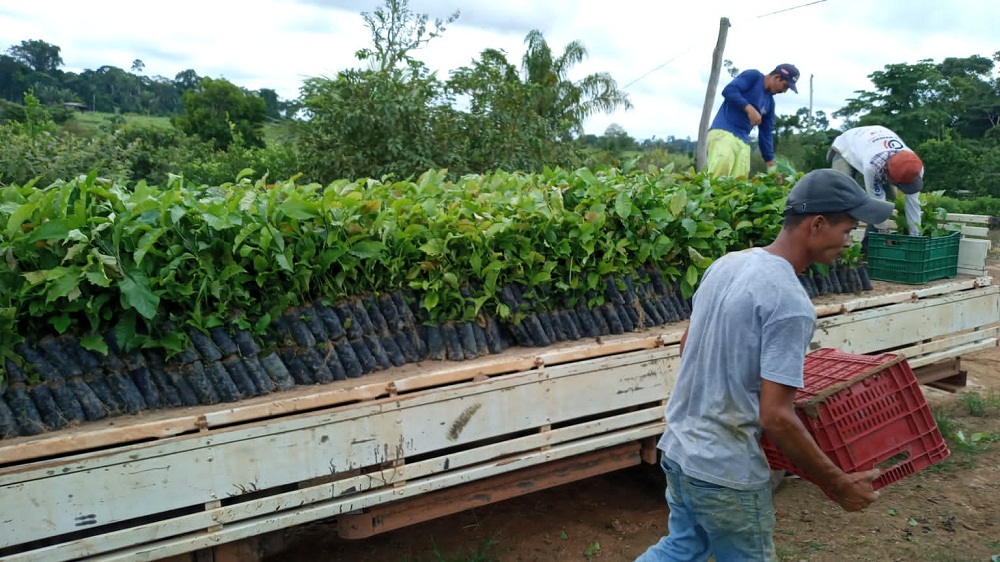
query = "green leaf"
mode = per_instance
[
  {"x": 689, "y": 226},
  {"x": 563, "y": 535},
  {"x": 17, "y": 218},
  {"x": 677, "y": 203},
  {"x": 430, "y": 300},
  {"x": 299, "y": 209},
  {"x": 540, "y": 277},
  {"x": 61, "y": 322},
  {"x": 283, "y": 262},
  {"x": 692, "y": 275},
  {"x": 146, "y": 242},
  {"x": 94, "y": 342},
  {"x": 64, "y": 285},
  {"x": 698, "y": 259},
  {"x": 137, "y": 294},
  {"x": 435, "y": 247},
  {"x": 367, "y": 249},
  {"x": 51, "y": 230},
  {"x": 623, "y": 205},
  {"x": 891, "y": 512}
]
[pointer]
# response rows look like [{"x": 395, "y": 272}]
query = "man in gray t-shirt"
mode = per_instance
[{"x": 741, "y": 363}]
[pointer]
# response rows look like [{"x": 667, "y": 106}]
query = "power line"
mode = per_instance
[
  {"x": 790, "y": 9},
  {"x": 679, "y": 55}
]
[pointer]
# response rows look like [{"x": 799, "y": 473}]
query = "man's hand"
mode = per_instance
[
  {"x": 753, "y": 114},
  {"x": 772, "y": 170},
  {"x": 854, "y": 492}
]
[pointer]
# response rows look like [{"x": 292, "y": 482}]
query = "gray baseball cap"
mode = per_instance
[{"x": 829, "y": 191}]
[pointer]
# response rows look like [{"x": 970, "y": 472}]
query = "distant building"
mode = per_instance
[{"x": 74, "y": 106}]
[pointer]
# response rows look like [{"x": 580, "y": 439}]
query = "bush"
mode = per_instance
[
  {"x": 47, "y": 157},
  {"x": 984, "y": 205},
  {"x": 215, "y": 167},
  {"x": 10, "y": 111}
]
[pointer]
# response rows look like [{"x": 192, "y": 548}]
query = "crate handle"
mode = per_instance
[{"x": 893, "y": 461}]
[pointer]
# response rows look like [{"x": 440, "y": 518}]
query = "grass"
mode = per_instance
[
  {"x": 980, "y": 406},
  {"x": 92, "y": 120},
  {"x": 480, "y": 554},
  {"x": 90, "y": 123},
  {"x": 966, "y": 442}
]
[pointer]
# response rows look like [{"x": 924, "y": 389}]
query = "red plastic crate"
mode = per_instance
[{"x": 864, "y": 411}]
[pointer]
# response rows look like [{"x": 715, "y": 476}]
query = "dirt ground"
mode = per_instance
[{"x": 948, "y": 512}]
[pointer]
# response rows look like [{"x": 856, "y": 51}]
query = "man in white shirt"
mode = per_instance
[{"x": 885, "y": 163}]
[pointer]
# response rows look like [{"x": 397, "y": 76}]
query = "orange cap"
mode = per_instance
[{"x": 905, "y": 170}]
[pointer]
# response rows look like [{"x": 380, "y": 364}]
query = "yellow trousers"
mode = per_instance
[{"x": 727, "y": 154}]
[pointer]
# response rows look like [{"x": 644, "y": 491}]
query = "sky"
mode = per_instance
[{"x": 660, "y": 53}]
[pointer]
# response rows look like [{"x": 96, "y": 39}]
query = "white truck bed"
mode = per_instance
[{"x": 165, "y": 484}]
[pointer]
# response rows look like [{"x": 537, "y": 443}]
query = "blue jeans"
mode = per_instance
[{"x": 707, "y": 520}]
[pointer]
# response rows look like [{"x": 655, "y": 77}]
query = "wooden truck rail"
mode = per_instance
[{"x": 412, "y": 443}]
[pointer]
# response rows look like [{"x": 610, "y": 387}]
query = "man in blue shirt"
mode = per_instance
[{"x": 748, "y": 102}]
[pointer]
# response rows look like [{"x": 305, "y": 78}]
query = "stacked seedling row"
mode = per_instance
[{"x": 117, "y": 300}]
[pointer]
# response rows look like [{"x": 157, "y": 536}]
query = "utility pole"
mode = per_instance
[
  {"x": 810, "y": 120},
  {"x": 713, "y": 82}
]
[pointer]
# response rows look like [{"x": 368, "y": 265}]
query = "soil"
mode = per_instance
[{"x": 948, "y": 512}]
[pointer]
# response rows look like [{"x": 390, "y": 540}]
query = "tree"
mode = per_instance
[
  {"x": 271, "y": 102},
  {"x": 186, "y": 80},
  {"x": 946, "y": 112},
  {"x": 396, "y": 31},
  {"x": 218, "y": 110},
  {"x": 393, "y": 118},
  {"x": 501, "y": 129},
  {"x": 371, "y": 123},
  {"x": 909, "y": 99},
  {"x": 138, "y": 66},
  {"x": 14, "y": 78},
  {"x": 617, "y": 140},
  {"x": 972, "y": 98},
  {"x": 38, "y": 55},
  {"x": 564, "y": 103}
]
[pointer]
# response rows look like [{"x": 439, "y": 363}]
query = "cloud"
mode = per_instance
[{"x": 660, "y": 55}]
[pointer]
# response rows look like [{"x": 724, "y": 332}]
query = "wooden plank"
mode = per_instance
[
  {"x": 969, "y": 231},
  {"x": 907, "y": 323},
  {"x": 951, "y": 341},
  {"x": 899, "y": 296},
  {"x": 272, "y": 454},
  {"x": 970, "y": 219},
  {"x": 599, "y": 349},
  {"x": 944, "y": 375},
  {"x": 952, "y": 352},
  {"x": 396, "y": 515},
  {"x": 186, "y": 533}
]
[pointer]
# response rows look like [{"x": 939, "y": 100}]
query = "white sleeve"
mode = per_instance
[
  {"x": 912, "y": 210},
  {"x": 869, "y": 174}
]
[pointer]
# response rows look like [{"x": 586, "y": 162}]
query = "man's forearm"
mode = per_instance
[{"x": 792, "y": 437}]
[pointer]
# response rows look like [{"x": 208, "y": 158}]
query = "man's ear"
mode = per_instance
[{"x": 816, "y": 223}]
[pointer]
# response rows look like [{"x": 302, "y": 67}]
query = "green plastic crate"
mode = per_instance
[{"x": 912, "y": 259}]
